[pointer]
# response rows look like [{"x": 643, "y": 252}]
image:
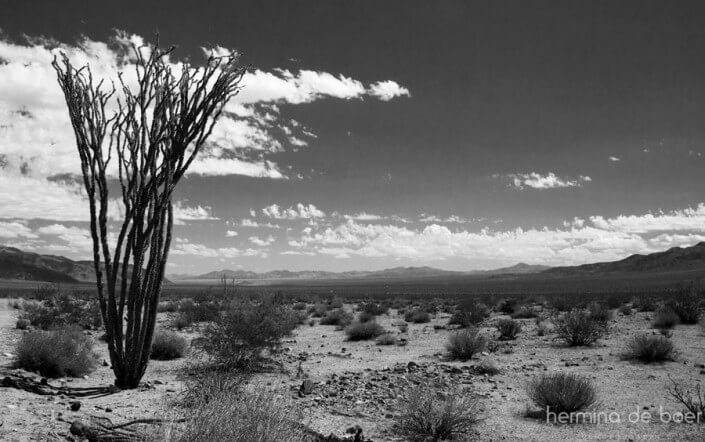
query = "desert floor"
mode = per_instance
[{"x": 356, "y": 383}]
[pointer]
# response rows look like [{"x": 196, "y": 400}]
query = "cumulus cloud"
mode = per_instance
[
  {"x": 183, "y": 246},
  {"x": 15, "y": 230},
  {"x": 256, "y": 240},
  {"x": 231, "y": 233},
  {"x": 536, "y": 180},
  {"x": 300, "y": 211},
  {"x": 614, "y": 159},
  {"x": 386, "y": 90}
]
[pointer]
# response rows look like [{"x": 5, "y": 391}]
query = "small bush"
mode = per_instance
[
  {"x": 59, "y": 308},
  {"x": 471, "y": 314},
  {"x": 579, "y": 328},
  {"x": 240, "y": 414},
  {"x": 542, "y": 328},
  {"x": 650, "y": 348},
  {"x": 564, "y": 303},
  {"x": 426, "y": 416},
  {"x": 687, "y": 304},
  {"x": 167, "y": 307},
  {"x": 240, "y": 335},
  {"x": 365, "y": 317},
  {"x": 665, "y": 318},
  {"x": 626, "y": 310},
  {"x": 599, "y": 312},
  {"x": 374, "y": 309},
  {"x": 362, "y": 331},
  {"x": 299, "y": 306},
  {"x": 318, "y": 310},
  {"x": 386, "y": 339},
  {"x": 693, "y": 401},
  {"x": 507, "y": 306},
  {"x": 22, "y": 324},
  {"x": 644, "y": 303},
  {"x": 508, "y": 329},
  {"x": 463, "y": 344},
  {"x": 57, "y": 353},
  {"x": 524, "y": 312},
  {"x": 338, "y": 317},
  {"x": 206, "y": 311},
  {"x": 561, "y": 393},
  {"x": 417, "y": 316},
  {"x": 168, "y": 345}
]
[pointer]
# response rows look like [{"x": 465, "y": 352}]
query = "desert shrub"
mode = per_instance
[
  {"x": 365, "y": 317},
  {"x": 665, "y": 318},
  {"x": 239, "y": 414},
  {"x": 204, "y": 311},
  {"x": 240, "y": 335},
  {"x": 507, "y": 306},
  {"x": 693, "y": 401},
  {"x": 542, "y": 328},
  {"x": 564, "y": 303},
  {"x": 60, "y": 309},
  {"x": 625, "y": 309},
  {"x": 318, "y": 310},
  {"x": 56, "y": 353},
  {"x": 338, "y": 317},
  {"x": 167, "y": 345},
  {"x": 470, "y": 314},
  {"x": 614, "y": 301},
  {"x": 427, "y": 416},
  {"x": 599, "y": 312},
  {"x": 578, "y": 328},
  {"x": 362, "y": 331},
  {"x": 167, "y": 307},
  {"x": 417, "y": 316},
  {"x": 299, "y": 306},
  {"x": 374, "y": 309},
  {"x": 335, "y": 303},
  {"x": 702, "y": 323},
  {"x": 508, "y": 329},
  {"x": 644, "y": 303},
  {"x": 687, "y": 302},
  {"x": 650, "y": 348},
  {"x": 524, "y": 312},
  {"x": 14, "y": 304},
  {"x": 463, "y": 344},
  {"x": 22, "y": 324},
  {"x": 561, "y": 393},
  {"x": 386, "y": 339},
  {"x": 486, "y": 366}
]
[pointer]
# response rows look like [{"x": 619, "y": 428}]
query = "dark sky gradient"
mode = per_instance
[{"x": 497, "y": 87}]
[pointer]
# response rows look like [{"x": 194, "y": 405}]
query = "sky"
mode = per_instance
[{"x": 461, "y": 135}]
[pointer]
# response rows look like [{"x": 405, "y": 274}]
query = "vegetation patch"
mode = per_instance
[{"x": 57, "y": 353}]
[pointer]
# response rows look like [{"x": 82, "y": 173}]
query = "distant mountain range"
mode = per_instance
[{"x": 17, "y": 264}]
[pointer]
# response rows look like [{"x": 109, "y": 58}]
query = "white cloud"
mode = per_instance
[
  {"x": 183, "y": 247},
  {"x": 198, "y": 213},
  {"x": 15, "y": 230},
  {"x": 614, "y": 159},
  {"x": 386, "y": 90},
  {"x": 256, "y": 240},
  {"x": 231, "y": 233},
  {"x": 300, "y": 211},
  {"x": 549, "y": 181}
]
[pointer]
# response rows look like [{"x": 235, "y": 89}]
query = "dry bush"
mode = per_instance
[
  {"x": 524, "y": 312},
  {"x": 507, "y": 306},
  {"x": 665, "y": 318},
  {"x": 362, "y": 331},
  {"x": 565, "y": 303},
  {"x": 687, "y": 303},
  {"x": 644, "y": 303},
  {"x": 625, "y": 309},
  {"x": 578, "y": 328},
  {"x": 470, "y": 314},
  {"x": 365, "y": 317},
  {"x": 417, "y": 316},
  {"x": 167, "y": 307},
  {"x": 299, "y": 306},
  {"x": 232, "y": 412},
  {"x": 239, "y": 336},
  {"x": 59, "y": 308},
  {"x": 57, "y": 353},
  {"x": 463, "y": 344},
  {"x": 168, "y": 345},
  {"x": 650, "y": 348},
  {"x": 693, "y": 401},
  {"x": 338, "y": 317},
  {"x": 599, "y": 312},
  {"x": 386, "y": 339},
  {"x": 374, "y": 309},
  {"x": 508, "y": 329},
  {"x": 561, "y": 393},
  {"x": 542, "y": 328},
  {"x": 427, "y": 415},
  {"x": 190, "y": 312},
  {"x": 22, "y": 324}
]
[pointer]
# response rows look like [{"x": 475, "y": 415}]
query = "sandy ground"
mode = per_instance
[{"x": 355, "y": 383}]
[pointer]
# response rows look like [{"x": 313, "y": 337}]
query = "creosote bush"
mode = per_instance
[
  {"x": 463, "y": 344},
  {"x": 57, "y": 308},
  {"x": 57, "y": 353},
  {"x": 426, "y": 415},
  {"x": 599, "y": 312},
  {"x": 693, "y": 401},
  {"x": 168, "y": 345},
  {"x": 561, "y": 393},
  {"x": 665, "y": 318},
  {"x": 508, "y": 329},
  {"x": 338, "y": 317},
  {"x": 650, "y": 348},
  {"x": 579, "y": 328},
  {"x": 644, "y": 303},
  {"x": 524, "y": 312},
  {"x": 417, "y": 316},
  {"x": 362, "y": 331},
  {"x": 469, "y": 314}
]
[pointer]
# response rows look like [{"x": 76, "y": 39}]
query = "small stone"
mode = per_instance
[{"x": 75, "y": 405}]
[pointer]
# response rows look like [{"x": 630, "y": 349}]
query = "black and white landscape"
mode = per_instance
[{"x": 364, "y": 221}]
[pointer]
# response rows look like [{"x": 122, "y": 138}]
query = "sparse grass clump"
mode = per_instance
[
  {"x": 417, "y": 316},
  {"x": 650, "y": 348},
  {"x": 362, "y": 331},
  {"x": 665, "y": 318},
  {"x": 57, "y": 353},
  {"x": 579, "y": 328},
  {"x": 428, "y": 416},
  {"x": 561, "y": 393},
  {"x": 508, "y": 329},
  {"x": 168, "y": 345},
  {"x": 386, "y": 339},
  {"x": 463, "y": 344},
  {"x": 338, "y": 317}
]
